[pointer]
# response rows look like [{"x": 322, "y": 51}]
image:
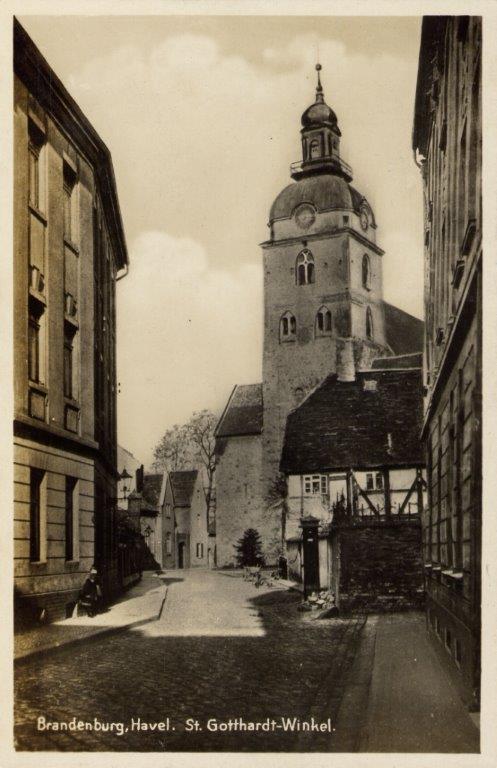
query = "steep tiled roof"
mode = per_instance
[
  {"x": 404, "y": 332},
  {"x": 243, "y": 414},
  {"x": 151, "y": 488},
  {"x": 411, "y": 360},
  {"x": 182, "y": 483},
  {"x": 343, "y": 424}
]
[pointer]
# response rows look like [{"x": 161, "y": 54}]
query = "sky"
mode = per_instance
[{"x": 202, "y": 117}]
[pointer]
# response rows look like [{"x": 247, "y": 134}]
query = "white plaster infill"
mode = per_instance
[{"x": 139, "y": 605}]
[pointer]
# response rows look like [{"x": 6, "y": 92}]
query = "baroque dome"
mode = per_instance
[
  {"x": 317, "y": 114},
  {"x": 325, "y": 191}
]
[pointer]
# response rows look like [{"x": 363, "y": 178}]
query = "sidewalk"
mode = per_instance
[
  {"x": 399, "y": 698},
  {"x": 138, "y": 605}
]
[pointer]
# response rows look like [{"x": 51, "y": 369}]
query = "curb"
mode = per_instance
[{"x": 97, "y": 635}]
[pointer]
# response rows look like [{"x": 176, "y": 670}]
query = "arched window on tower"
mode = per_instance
[
  {"x": 315, "y": 148},
  {"x": 305, "y": 268},
  {"x": 366, "y": 272},
  {"x": 369, "y": 323},
  {"x": 323, "y": 322},
  {"x": 288, "y": 327}
]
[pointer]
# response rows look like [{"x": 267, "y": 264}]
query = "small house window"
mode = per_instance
[
  {"x": 168, "y": 544},
  {"x": 379, "y": 481},
  {"x": 315, "y": 484},
  {"x": 323, "y": 322},
  {"x": 305, "y": 268},
  {"x": 288, "y": 327},
  {"x": 345, "y": 221},
  {"x": 369, "y": 482},
  {"x": 366, "y": 272},
  {"x": 369, "y": 323},
  {"x": 200, "y": 550}
]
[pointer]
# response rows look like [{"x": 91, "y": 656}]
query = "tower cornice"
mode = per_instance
[{"x": 324, "y": 236}]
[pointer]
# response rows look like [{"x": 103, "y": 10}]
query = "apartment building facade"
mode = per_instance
[
  {"x": 69, "y": 250},
  {"x": 447, "y": 141}
]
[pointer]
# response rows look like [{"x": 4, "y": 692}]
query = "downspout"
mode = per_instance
[{"x": 120, "y": 277}]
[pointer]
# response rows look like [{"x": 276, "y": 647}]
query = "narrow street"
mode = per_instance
[{"x": 222, "y": 649}]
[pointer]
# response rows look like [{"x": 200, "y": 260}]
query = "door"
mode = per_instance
[{"x": 181, "y": 554}]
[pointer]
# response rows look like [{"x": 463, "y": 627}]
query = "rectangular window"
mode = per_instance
[
  {"x": 379, "y": 481},
  {"x": 68, "y": 367},
  {"x": 69, "y": 342},
  {"x": 200, "y": 550},
  {"x": 36, "y": 147},
  {"x": 34, "y": 347},
  {"x": 71, "y": 518},
  {"x": 69, "y": 190},
  {"x": 369, "y": 482},
  {"x": 457, "y": 652},
  {"x": 448, "y": 639},
  {"x": 324, "y": 485},
  {"x": 307, "y": 485},
  {"x": 35, "y": 515},
  {"x": 316, "y": 484}
]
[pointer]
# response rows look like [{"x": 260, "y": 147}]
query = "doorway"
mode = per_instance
[{"x": 181, "y": 554}]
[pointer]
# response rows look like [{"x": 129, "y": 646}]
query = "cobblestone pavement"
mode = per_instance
[{"x": 222, "y": 650}]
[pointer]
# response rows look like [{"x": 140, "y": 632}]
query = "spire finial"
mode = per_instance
[{"x": 319, "y": 87}]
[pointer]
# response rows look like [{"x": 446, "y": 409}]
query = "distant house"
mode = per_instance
[
  {"x": 188, "y": 536},
  {"x": 353, "y": 459},
  {"x": 143, "y": 514}
]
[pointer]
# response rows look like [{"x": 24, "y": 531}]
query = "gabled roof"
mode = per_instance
[
  {"x": 243, "y": 413},
  {"x": 182, "y": 484},
  {"x": 343, "y": 425},
  {"x": 410, "y": 360},
  {"x": 404, "y": 332}
]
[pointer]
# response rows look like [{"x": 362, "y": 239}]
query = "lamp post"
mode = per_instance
[{"x": 125, "y": 476}]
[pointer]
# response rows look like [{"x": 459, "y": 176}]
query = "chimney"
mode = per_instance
[{"x": 345, "y": 360}]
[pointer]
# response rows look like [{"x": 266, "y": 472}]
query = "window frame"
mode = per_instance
[
  {"x": 305, "y": 269},
  {"x": 366, "y": 272},
  {"x": 288, "y": 327},
  {"x": 37, "y": 516}
]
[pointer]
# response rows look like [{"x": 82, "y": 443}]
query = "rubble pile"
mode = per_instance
[{"x": 322, "y": 602}]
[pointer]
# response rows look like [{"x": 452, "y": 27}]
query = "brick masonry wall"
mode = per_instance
[{"x": 379, "y": 565}]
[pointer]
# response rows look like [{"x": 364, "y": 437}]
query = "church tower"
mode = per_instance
[{"x": 322, "y": 277}]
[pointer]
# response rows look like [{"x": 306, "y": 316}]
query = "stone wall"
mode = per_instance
[
  {"x": 240, "y": 501},
  {"x": 377, "y": 566}
]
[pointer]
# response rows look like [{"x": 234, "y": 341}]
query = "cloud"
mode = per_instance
[
  {"x": 187, "y": 332},
  {"x": 201, "y": 142}
]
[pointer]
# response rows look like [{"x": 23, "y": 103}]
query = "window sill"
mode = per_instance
[
  {"x": 39, "y": 214},
  {"x": 287, "y": 341},
  {"x": 71, "y": 321},
  {"x": 72, "y": 246},
  {"x": 37, "y": 296}
]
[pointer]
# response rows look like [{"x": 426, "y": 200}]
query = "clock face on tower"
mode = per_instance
[
  {"x": 305, "y": 216},
  {"x": 364, "y": 220}
]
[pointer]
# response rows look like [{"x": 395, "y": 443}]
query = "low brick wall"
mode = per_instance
[{"x": 379, "y": 565}]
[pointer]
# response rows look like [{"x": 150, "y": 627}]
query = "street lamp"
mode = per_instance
[{"x": 125, "y": 476}]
